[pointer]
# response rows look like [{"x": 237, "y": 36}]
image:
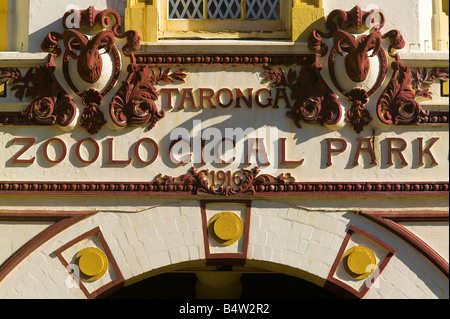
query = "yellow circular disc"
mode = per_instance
[
  {"x": 226, "y": 228},
  {"x": 359, "y": 262},
  {"x": 93, "y": 263}
]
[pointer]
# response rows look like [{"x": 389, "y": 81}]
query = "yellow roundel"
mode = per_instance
[
  {"x": 359, "y": 262},
  {"x": 226, "y": 228},
  {"x": 93, "y": 263}
]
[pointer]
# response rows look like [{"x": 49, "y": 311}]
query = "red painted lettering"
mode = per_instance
[
  {"x": 208, "y": 95},
  {"x": 281, "y": 94},
  {"x": 30, "y": 142},
  {"x": 331, "y": 151},
  {"x": 368, "y": 148},
  {"x": 397, "y": 150},
  {"x": 283, "y": 160},
  {"x": 111, "y": 160},
  {"x": 427, "y": 151},
  {"x": 258, "y": 98},
  {"x": 63, "y": 150},
  {"x": 155, "y": 151},
  {"x": 247, "y": 100},
  {"x": 259, "y": 151},
  {"x": 78, "y": 151},
  {"x": 187, "y": 96},
  {"x": 224, "y": 101},
  {"x": 169, "y": 96}
]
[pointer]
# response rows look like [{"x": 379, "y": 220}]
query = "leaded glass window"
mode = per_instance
[{"x": 224, "y": 9}]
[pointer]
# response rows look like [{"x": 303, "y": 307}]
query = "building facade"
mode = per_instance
[{"x": 200, "y": 148}]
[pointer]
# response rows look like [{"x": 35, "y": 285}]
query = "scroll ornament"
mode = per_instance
[
  {"x": 88, "y": 45},
  {"x": 397, "y": 104}
]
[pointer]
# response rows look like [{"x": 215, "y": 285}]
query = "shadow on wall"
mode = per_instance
[
  {"x": 319, "y": 24},
  {"x": 43, "y": 26}
]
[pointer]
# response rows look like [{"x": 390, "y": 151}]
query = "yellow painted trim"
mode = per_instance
[
  {"x": 93, "y": 263},
  {"x": 307, "y": 15},
  {"x": 226, "y": 228},
  {"x": 223, "y": 35},
  {"x": 3, "y": 25},
  {"x": 440, "y": 25},
  {"x": 359, "y": 262},
  {"x": 149, "y": 18},
  {"x": 298, "y": 19},
  {"x": 445, "y": 88},
  {"x": 142, "y": 16},
  {"x": 217, "y": 25}
]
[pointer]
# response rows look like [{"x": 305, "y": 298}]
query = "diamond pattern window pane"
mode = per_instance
[
  {"x": 185, "y": 9},
  {"x": 224, "y": 9},
  {"x": 263, "y": 9}
]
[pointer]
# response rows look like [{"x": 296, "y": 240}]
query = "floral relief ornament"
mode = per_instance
[
  {"x": 314, "y": 102},
  {"x": 134, "y": 103},
  {"x": 83, "y": 44},
  {"x": 398, "y": 105},
  {"x": 398, "y": 100}
]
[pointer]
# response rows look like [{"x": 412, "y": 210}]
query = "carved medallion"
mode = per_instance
[
  {"x": 92, "y": 56},
  {"x": 357, "y": 61}
]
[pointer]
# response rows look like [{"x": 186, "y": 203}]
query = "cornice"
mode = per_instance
[{"x": 22, "y": 59}]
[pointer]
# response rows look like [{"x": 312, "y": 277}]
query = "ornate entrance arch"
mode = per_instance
[{"x": 324, "y": 247}]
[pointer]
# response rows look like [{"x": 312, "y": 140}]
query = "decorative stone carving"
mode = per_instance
[
  {"x": 134, "y": 103},
  {"x": 89, "y": 45},
  {"x": 82, "y": 51},
  {"x": 314, "y": 100},
  {"x": 50, "y": 105},
  {"x": 345, "y": 29}
]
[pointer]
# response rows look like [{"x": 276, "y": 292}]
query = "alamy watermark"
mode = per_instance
[
  {"x": 73, "y": 280},
  {"x": 372, "y": 281},
  {"x": 236, "y": 145},
  {"x": 374, "y": 19},
  {"x": 73, "y": 19}
]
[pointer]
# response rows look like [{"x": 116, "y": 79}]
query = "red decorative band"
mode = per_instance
[
  {"x": 225, "y": 59},
  {"x": 435, "y": 118},
  {"x": 12, "y": 118},
  {"x": 192, "y": 188}
]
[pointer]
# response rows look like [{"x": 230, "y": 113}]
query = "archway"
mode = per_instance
[
  {"x": 261, "y": 285},
  {"x": 170, "y": 238}
]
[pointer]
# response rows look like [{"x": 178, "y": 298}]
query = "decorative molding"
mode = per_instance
[
  {"x": 314, "y": 102},
  {"x": 252, "y": 184},
  {"x": 50, "y": 105},
  {"x": 390, "y": 220},
  {"x": 423, "y": 80},
  {"x": 89, "y": 60},
  {"x": 111, "y": 260},
  {"x": 334, "y": 284},
  {"x": 133, "y": 104},
  {"x": 397, "y": 105},
  {"x": 356, "y": 61},
  {"x": 230, "y": 259},
  {"x": 224, "y": 59},
  {"x": 62, "y": 220},
  {"x": 135, "y": 101}
]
